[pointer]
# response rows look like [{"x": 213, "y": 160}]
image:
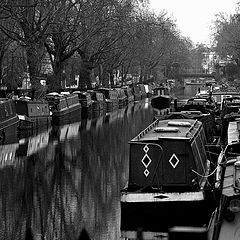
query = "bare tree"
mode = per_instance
[{"x": 30, "y": 21}]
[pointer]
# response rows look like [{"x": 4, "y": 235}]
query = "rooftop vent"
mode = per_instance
[
  {"x": 178, "y": 123},
  {"x": 166, "y": 129}
]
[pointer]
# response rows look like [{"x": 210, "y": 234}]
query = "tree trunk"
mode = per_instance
[
  {"x": 33, "y": 69},
  {"x": 58, "y": 75},
  {"x": 85, "y": 71}
]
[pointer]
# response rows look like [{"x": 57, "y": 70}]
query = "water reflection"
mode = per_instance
[{"x": 68, "y": 178}]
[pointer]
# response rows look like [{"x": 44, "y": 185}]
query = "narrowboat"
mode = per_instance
[
  {"x": 149, "y": 90},
  {"x": 63, "y": 107},
  {"x": 230, "y": 111},
  {"x": 122, "y": 98},
  {"x": 198, "y": 104},
  {"x": 230, "y": 105},
  {"x": 111, "y": 98},
  {"x": 129, "y": 94},
  {"x": 86, "y": 102},
  {"x": 161, "y": 98},
  {"x": 33, "y": 114},
  {"x": 226, "y": 224},
  {"x": 219, "y": 97},
  {"x": 226, "y": 217},
  {"x": 136, "y": 92},
  {"x": 143, "y": 91},
  {"x": 168, "y": 169},
  {"x": 99, "y": 101},
  {"x": 8, "y": 119}
]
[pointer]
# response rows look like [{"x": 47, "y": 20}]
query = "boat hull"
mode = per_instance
[
  {"x": 162, "y": 215},
  {"x": 161, "y": 102},
  {"x": 67, "y": 115}
]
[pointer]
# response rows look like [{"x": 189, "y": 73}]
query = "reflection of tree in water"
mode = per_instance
[
  {"x": 17, "y": 199},
  {"x": 106, "y": 170},
  {"x": 71, "y": 184}
]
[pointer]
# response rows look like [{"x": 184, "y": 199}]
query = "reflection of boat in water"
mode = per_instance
[
  {"x": 69, "y": 131},
  {"x": 167, "y": 168},
  {"x": 34, "y": 144},
  {"x": 8, "y": 154}
]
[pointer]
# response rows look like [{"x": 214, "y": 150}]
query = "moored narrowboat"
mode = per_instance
[
  {"x": 136, "y": 92},
  {"x": 129, "y": 94},
  {"x": 143, "y": 91},
  {"x": 168, "y": 166},
  {"x": 8, "y": 119},
  {"x": 199, "y": 104},
  {"x": 226, "y": 222},
  {"x": 161, "y": 98},
  {"x": 122, "y": 98},
  {"x": 63, "y": 107},
  {"x": 86, "y": 102},
  {"x": 100, "y": 100},
  {"x": 111, "y": 98},
  {"x": 33, "y": 114}
]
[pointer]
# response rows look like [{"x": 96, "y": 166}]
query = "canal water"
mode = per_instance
[{"x": 68, "y": 178}]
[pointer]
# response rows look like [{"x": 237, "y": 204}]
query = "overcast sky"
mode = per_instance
[{"x": 193, "y": 17}]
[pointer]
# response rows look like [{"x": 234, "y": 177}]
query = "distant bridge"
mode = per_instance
[{"x": 196, "y": 75}]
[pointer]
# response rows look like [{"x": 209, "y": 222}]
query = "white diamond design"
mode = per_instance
[
  {"x": 174, "y": 157},
  {"x": 144, "y": 161},
  {"x": 146, "y": 148},
  {"x": 146, "y": 172}
]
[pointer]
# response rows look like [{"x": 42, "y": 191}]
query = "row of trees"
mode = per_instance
[
  {"x": 86, "y": 38},
  {"x": 226, "y": 43}
]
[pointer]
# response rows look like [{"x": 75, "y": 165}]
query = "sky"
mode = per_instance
[{"x": 194, "y": 18}]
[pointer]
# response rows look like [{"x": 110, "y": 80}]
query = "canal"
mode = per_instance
[{"x": 68, "y": 178}]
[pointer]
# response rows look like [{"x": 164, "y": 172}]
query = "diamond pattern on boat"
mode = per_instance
[
  {"x": 146, "y": 160},
  {"x": 174, "y": 161}
]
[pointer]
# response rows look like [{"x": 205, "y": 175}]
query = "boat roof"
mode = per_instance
[{"x": 169, "y": 129}]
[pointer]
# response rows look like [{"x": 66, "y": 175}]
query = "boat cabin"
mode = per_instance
[
  {"x": 137, "y": 92},
  {"x": 162, "y": 90},
  {"x": 84, "y": 98},
  {"x": 111, "y": 96},
  {"x": 143, "y": 91},
  {"x": 129, "y": 94},
  {"x": 231, "y": 105},
  {"x": 199, "y": 103},
  {"x": 122, "y": 98},
  {"x": 226, "y": 217},
  {"x": 169, "y": 154}
]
